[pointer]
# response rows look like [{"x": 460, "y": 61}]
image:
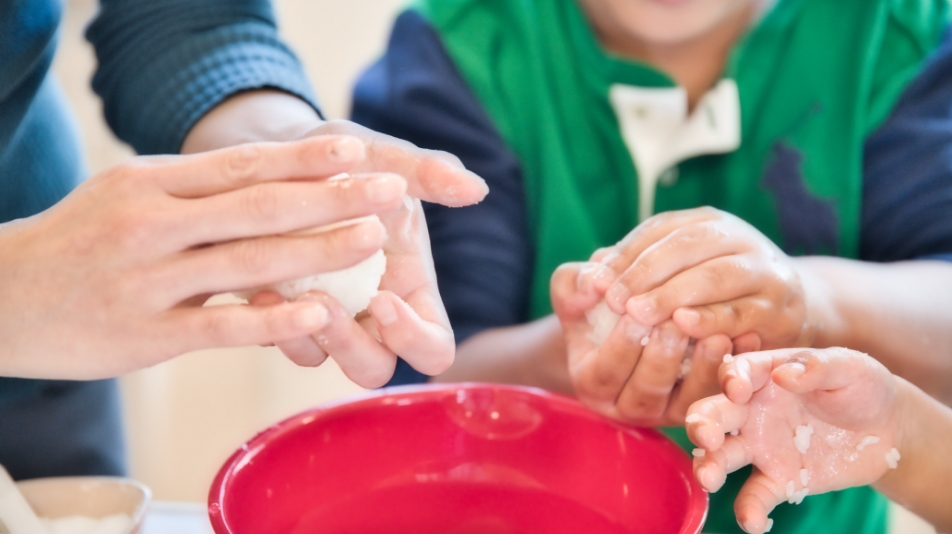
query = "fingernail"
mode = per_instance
[
  {"x": 618, "y": 295},
  {"x": 604, "y": 277},
  {"x": 346, "y": 149},
  {"x": 642, "y": 308},
  {"x": 384, "y": 189},
  {"x": 384, "y": 312},
  {"x": 585, "y": 278},
  {"x": 671, "y": 337},
  {"x": 796, "y": 369},
  {"x": 690, "y": 317},
  {"x": 310, "y": 315},
  {"x": 636, "y": 331}
]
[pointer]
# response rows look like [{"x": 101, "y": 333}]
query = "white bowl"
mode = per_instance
[{"x": 94, "y": 497}]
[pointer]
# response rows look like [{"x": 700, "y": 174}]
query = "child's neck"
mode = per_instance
[{"x": 696, "y": 65}]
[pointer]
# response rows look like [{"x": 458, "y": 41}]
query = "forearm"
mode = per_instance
[
  {"x": 923, "y": 481},
  {"x": 263, "y": 115},
  {"x": 898, "y": 313},
  {"x": 531, "y": 354}
]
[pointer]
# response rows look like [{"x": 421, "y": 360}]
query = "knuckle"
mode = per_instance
[
  {"x": 218, "y": 328},
  {"x": 261, "y": 203},
  {"x": 241, "y": 163},
  {"x": 251, "y": 256}
]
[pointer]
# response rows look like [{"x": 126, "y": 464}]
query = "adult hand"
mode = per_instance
[
  {"x": 112, "y": 278},
  {"x": 808, "y": 421},
  {"x": 638, "y": 373},
  {"x": 407, "y": 317}
]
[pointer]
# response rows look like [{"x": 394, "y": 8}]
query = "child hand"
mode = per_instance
[
  {"x": 808, "y": 421},
  {"x": 712, "y": 273},
  {"x": 614, "y": 372}
]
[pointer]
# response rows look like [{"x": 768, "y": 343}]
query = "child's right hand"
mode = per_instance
[{"x": 850, "y": 402}]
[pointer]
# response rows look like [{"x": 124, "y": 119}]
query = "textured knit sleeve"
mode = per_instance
[
  {"x": 907, "y": 181},
  {"x": 163, "y": 64},
  {"x": 482, "y": 255}
]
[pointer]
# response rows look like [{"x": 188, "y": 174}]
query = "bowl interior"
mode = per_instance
[
  {"x": 460, "y": 459},
  {"x": 94, "y": 497}
]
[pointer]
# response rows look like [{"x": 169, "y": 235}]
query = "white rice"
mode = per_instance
[
  {"x": 685, "y": 368},
  {"x": 804, "y": 477},
  {"x": 352, "y": 287},
  {"x": 699, "y": 453},
  {"x": 602, "y": 320},
  {"x": 769, "y": 525},
  {"x": 645, "y": 340},
  {"x": 802, "y": 438},
  {"x": 892, "y": 458},
  {"x": 791, "y": 488},
  {"x": 693, "y": 418},
  {"x": 728, "y": 358},
  {"x": 865, "y": 442},
  {"x": 735, "y": 432}
]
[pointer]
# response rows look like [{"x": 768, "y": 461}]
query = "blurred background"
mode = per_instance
[{"x": 185, "y": 417}]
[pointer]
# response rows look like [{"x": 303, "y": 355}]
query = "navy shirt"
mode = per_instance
[{"x": 483, "y": 253}]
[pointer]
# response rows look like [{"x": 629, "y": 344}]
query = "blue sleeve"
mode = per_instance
[
  {"x": 907, "y": 182},
  {"x": 482, "y": 254},
  {"x": 163, "y": 64}
]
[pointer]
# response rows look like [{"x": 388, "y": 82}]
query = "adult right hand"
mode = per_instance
[{"x": 113, "y": 278}]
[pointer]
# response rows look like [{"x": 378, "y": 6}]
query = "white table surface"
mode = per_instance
[{"x": 176, "y": 518}]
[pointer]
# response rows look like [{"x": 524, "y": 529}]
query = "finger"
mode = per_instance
[
  {"x": 711, "y": 418},
  {"x": 717, "y": 280},
  {"x": 702, "y": 381},
  {"x": 648, "y": 233},
  {"x": 756, "y": 499},
  {"x": 646, "y": 394},
  {"x": 600, "y": 374},
  {"x": 237, "y": 167},
  {"x": 569, "y": 300},
  {"x": 433, "y": 176},
  {"x": 711, "y": 469},
  {"x": 741, "y": 376},
  {"x": 749, "y": 342},
  {"x": 652, "y": 251},
  {"x": 594, "y": 279},
  {"x": 249, "y": 263},
  {"x": 427, "y": 347},
  {"x": 361, "y": 357},
  {"x": 241, "y": 325},
  {"x": 303, "y": 351},
  {"x": 733, "y": 317},
  {"x": 819, "y": 370},
  {"x": 278, "y": 208}
]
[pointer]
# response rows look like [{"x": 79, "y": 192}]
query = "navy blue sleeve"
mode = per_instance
[
  {"x": 907, "y": 179},
  {"x": 482, "y": 254},
  {"x": 163, "y": 64}
]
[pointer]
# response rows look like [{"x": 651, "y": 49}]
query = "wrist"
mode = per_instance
[
  {"x": 908, "y": 441},
  {"x": 823, "y": 325},
  {"x": 251, "y": 117}
]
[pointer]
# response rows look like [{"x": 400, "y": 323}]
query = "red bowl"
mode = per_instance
[{"x": 458, "y": 458}]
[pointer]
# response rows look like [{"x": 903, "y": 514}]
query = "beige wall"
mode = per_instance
[{"x": 185, "y": 417}]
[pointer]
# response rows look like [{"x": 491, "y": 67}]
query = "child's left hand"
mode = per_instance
[
  {"x": 711, "y": 273},
  {"x": 808, "y": 421}
]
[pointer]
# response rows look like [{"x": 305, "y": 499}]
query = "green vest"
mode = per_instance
[{"x": 814, "y": 76}]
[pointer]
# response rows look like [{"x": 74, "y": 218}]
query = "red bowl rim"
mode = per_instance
[{"x": 697, "y": 499}]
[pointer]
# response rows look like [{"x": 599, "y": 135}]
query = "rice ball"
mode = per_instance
[{"x": 352, "y": 287}]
